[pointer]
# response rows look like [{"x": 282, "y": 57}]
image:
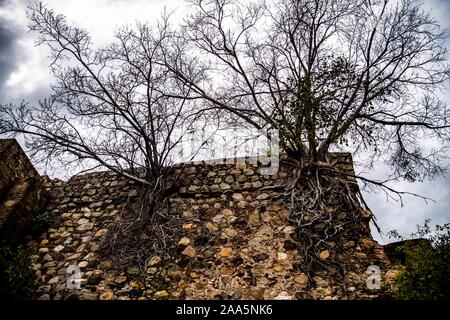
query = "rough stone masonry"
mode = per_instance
[{"x": 233, "y": 242}]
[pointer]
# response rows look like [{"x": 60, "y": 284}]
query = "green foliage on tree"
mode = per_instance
[{"x": 427, "y": 264}]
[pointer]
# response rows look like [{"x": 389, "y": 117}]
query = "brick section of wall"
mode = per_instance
[
  {"x": 232, "y": 241},
  {"x": 21, "y": 192}
]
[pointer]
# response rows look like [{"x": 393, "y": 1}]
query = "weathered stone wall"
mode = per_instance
[
  {"x": 21, "y": 192},
  {"x": 14, "y": 165},
  {"x": 232, "y": 241}
]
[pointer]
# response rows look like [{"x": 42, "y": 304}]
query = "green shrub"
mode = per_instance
[
  {"x": 17, "y": 279},
  {"x": 427, "y": 265},
  {"x": 41, "y": 222}
]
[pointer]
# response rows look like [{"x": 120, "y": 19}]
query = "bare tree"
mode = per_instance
[
  {"x": 326, "y": 74},
  {"x": 110, "y": 109}
]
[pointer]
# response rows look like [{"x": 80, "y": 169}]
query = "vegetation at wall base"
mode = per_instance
[
  {"x": 426, "y": 275},
  {"x": 17, "y": 279}
]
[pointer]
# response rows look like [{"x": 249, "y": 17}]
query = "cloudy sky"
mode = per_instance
[{"x": 24, "y": 75}]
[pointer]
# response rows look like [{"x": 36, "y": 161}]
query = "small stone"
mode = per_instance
[
  {"x": 182, "y": 284},
  {"x": 225, "y": 252},
  {"x": 136, "y": 284},
  {"x": 231, "y": 233},
  {"x": 105, "y": 264},
  {"x": 237, "y": 196},
  {"x": 224, "y": 186},
  {"x": 101, "y": 233},
  {"x": 184, "y": 241},
  {"x": 53, "y": 280},
  {"x": 43, "y": 250},
  {"x": 44, "y": 242},
  {"x": 367, "y": 244},
  {"x": 226, "y": 271},
  {"x": 58, "y": 248},
  {"x": 85, "y": 227},
  {"x": 96, "y": 204},
  {"x": 302, "y": 280},
  {"x": 152, "y": 270},
  {"x": 85, "y": 239},
  {"x": 90, "y": 256},
  {"x": 349, "y": 244},
  {"x": 188, "y": 226},
  {"x": 174, "y": 273},
  {"x": 133, "y": 270},
  {"x": 217, "y": 218},
  {"x": 257, "y": 293},
  {"x": 209, "y": 253},
  {"x": 210, "y": 226},
  {"x": 283, "y": 296},
  {"x": 153, "y": 261},
  {"x": 248, "y": 171},
  {"x": 188, "y": 214},
  {"x": 211, "y": 174},
  {"x": 263, "y": 196},
  {"x": 236, "y": 296},
  {"x": 242, "y": 204},
  {"x": 229, "y": 179},
  {"x": 107, "y": 295},
  {"x": 253, "y": 218},
  {"x": 133, "y": 194},
  {"x": 193, "y": 188},
  {"x": 324, "y": 255},
  {"x": 189, "y": 251},
  {"x": 161, "y": 294},
  {"x": 75, "y": 256},
  {"x": 120, "y": 279},
  {"x": 44, "y": 297},
  {"x": 83, "y": 264},
  {"x": 282, "y": 256},
  {"x": 257, "y": 184},
  {"x": 366, "y": 214},
  {"x": 360, "y": 256},
  {"x": 46, "y": 288},
  {"x": 278, "y": 268},
  {"x": 227, "y": 212},
  {"x": 48, "y": 257},
  {"x": 289, "y": 229}
]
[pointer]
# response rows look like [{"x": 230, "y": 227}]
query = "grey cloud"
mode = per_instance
[
  {"x": 392, "y": 216},
  {"x": 8, "y": 50},
  {"x": 10, "y": 53}
]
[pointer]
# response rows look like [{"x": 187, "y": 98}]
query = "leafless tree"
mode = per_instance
[
  {"x": 110, "y": 109},
  {"x": 326, "y": 74}
]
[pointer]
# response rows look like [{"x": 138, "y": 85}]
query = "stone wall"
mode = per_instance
[
  {"x": 21, "y": 192},
  {"x": 232, "y": 241}
]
